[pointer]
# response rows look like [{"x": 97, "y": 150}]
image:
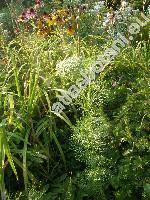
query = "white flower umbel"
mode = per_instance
[
  {"x": 124, "y": 5},
  {"x": 97, "y": 7},
  {"x": 67, "y": 65}
]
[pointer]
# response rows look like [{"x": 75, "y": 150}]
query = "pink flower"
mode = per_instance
[
  {"x": 27, "y": 15},
  {"x": 30, "y": 14}
]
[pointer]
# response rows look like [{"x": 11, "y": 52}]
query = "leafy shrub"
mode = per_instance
[{"x": 114, "y": 142}]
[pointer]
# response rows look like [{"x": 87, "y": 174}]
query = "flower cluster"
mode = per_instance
[
  {"x": 97, "y": 7},
  {"x": 69, "y": 19},
  {"x": 27, "y": 15},
  {"x": 46, "y": 23},
  {"x": 67, "y": 65},
  {"x": 63, "y": 18},
  {"x": 115, "y": 21}
]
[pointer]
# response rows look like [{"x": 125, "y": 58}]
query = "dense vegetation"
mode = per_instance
[{"x": 98, "y": 148}]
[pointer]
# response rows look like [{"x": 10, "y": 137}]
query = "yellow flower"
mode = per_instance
[
  {"x": 59, "y": 11},
  {"x": 46, "y": 31},
  {"x": 40, "y": 32},
  {"x": 40, "y": 24},
  {"x": 65, "y": 13},
  {"x": 43, "y": 32},
  {"x": 74, "y": 18},
  {"x": 60, "y": 21},
  {"x": 50, "y": 21}
]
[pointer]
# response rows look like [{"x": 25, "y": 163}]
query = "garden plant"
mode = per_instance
[{"x": 98, "y": 147}]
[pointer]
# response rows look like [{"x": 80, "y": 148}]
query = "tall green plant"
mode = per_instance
[{"x": 4, "y": 151}]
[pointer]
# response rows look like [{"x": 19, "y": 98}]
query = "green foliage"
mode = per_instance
[
  {"x": 112, "y": 136},
  {"x": 26, "y": 107},
  {"x": 99, "y": 147}
]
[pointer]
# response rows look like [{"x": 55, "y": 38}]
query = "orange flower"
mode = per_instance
[
  {"x": 70, "y": 30},
  {"x": 4, "y": 61},
  {"x": 16, "y": 31}
]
